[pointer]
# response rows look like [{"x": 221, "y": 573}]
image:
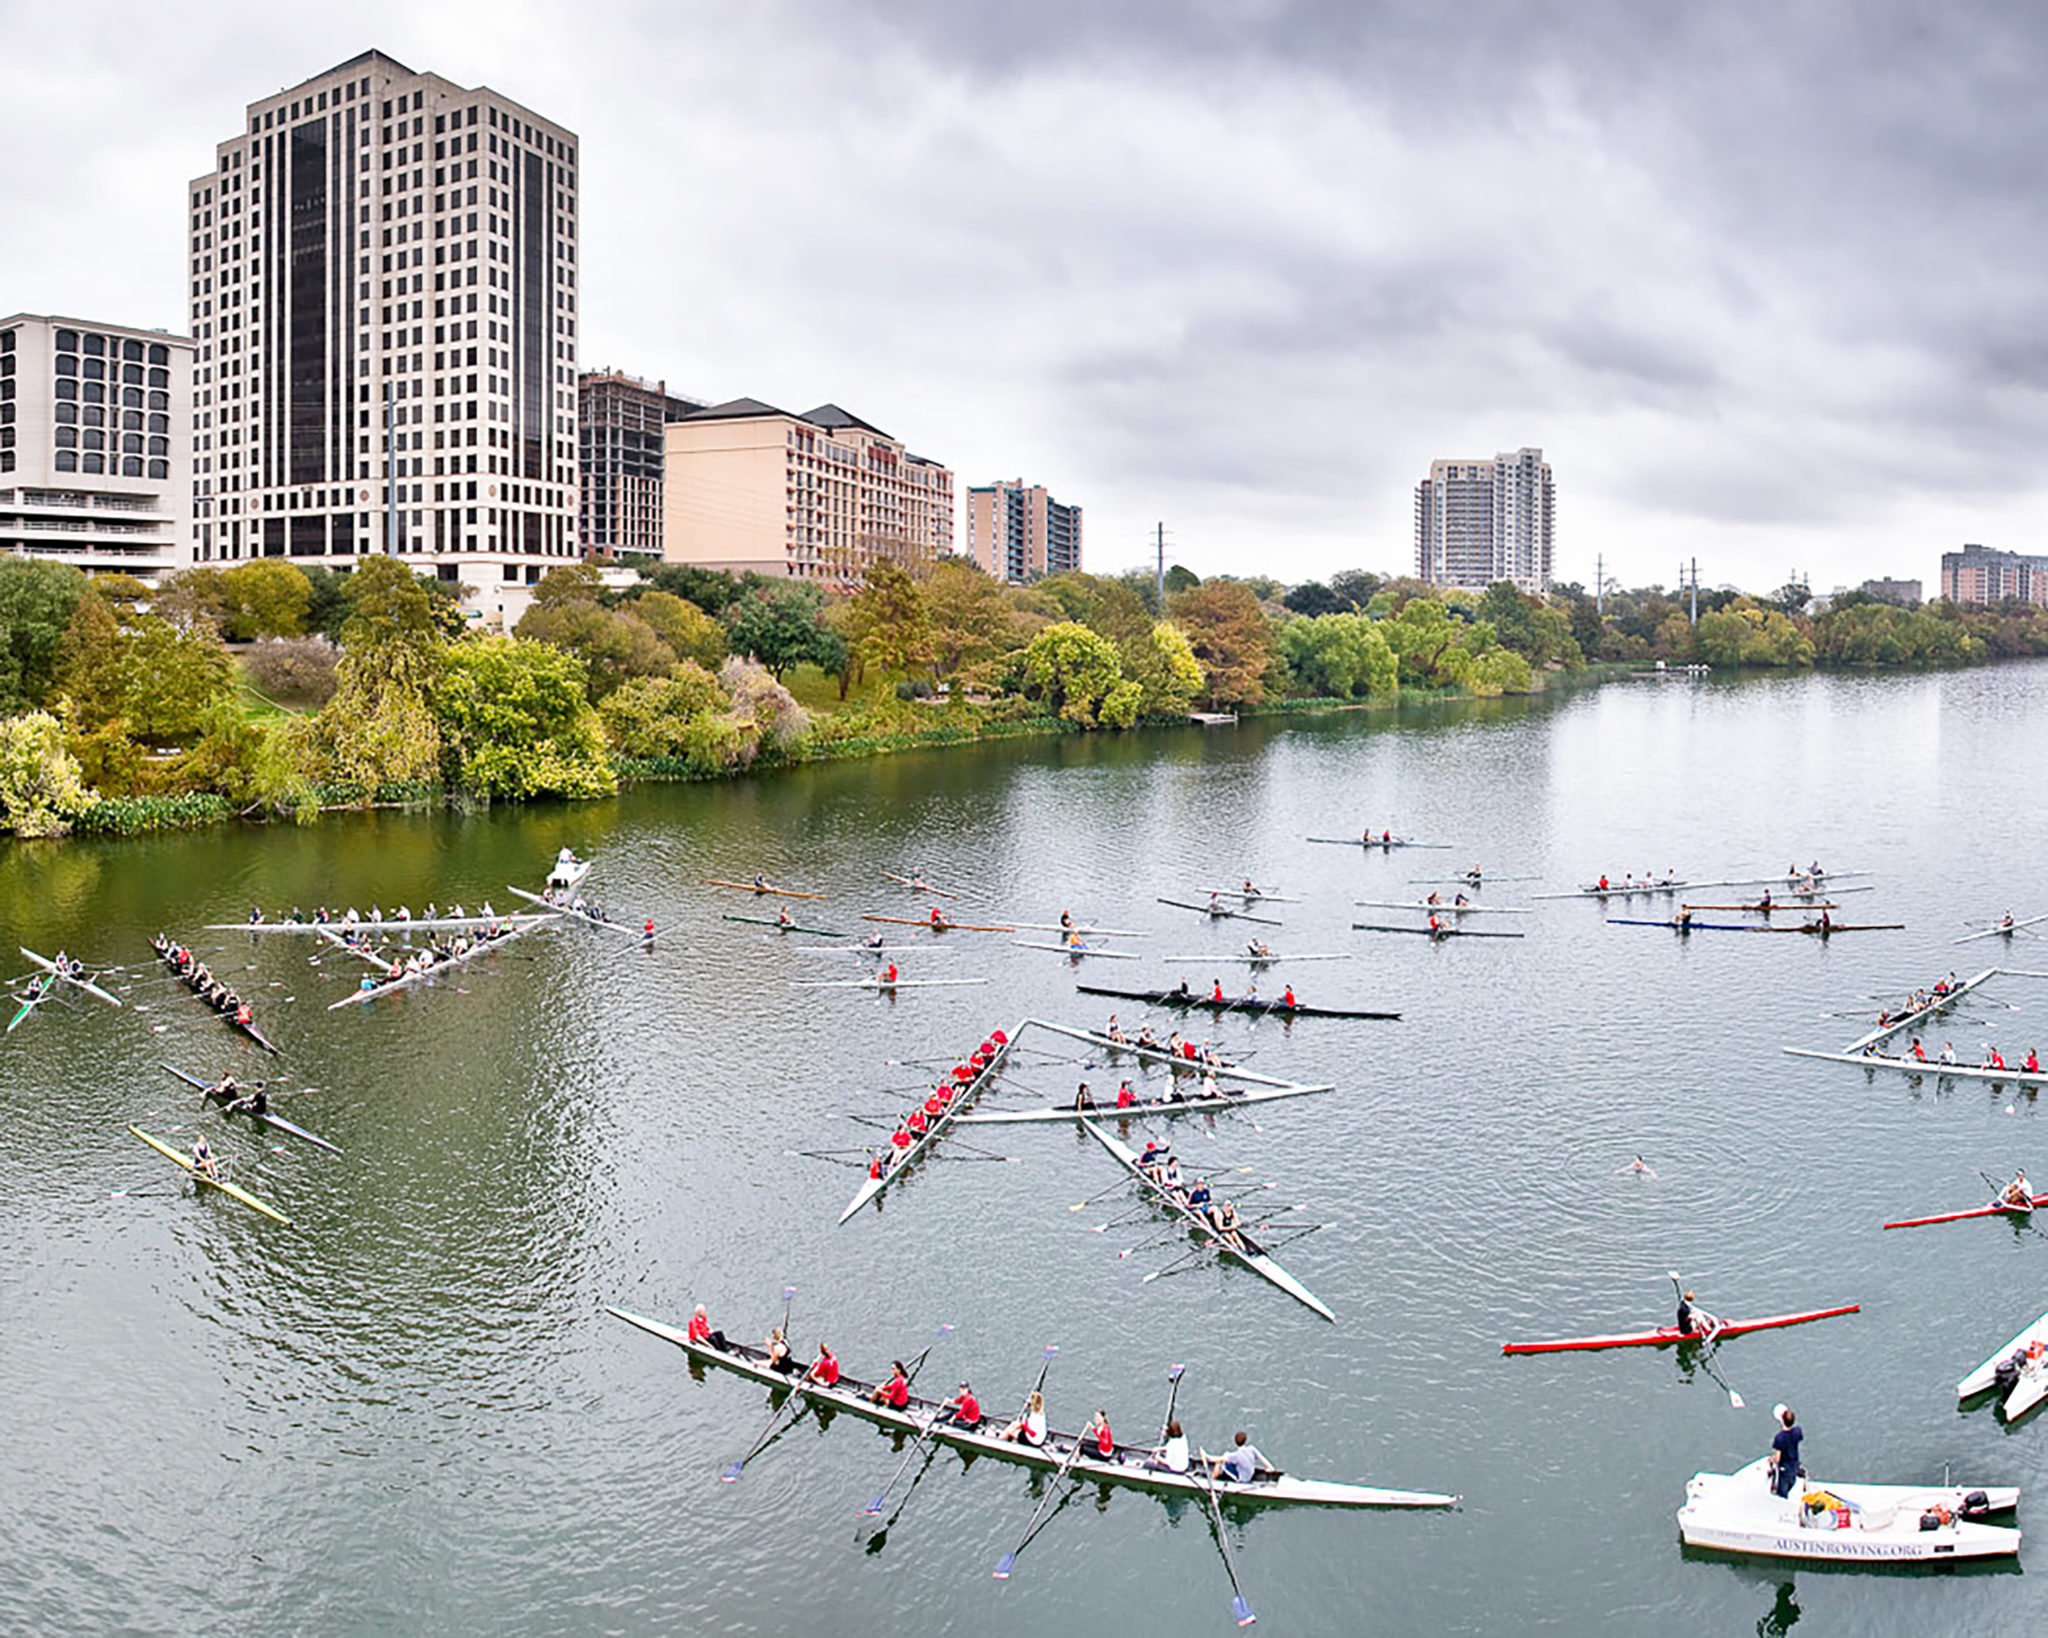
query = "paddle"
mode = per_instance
[
  {"x": 1240, "y": 1606},
  {"x": 1009, "y": 1559},
  {"x": 733, "y": 1470},
  {"x": 1735, "y": 1399},
  {"x": 874, "y": 1508}
]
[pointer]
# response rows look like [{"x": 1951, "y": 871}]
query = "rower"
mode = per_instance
[
  {"x": 1763, "y": 902},
  {"x": 1601, "y": 887},
  {"x": 1241, "y": 1465},
  {"x": 1461, "y": 900},
  {"x": 1125, "y": 1097},
  {"x": 938, "y": 917},
  {"x": 1682, "y": 922},
  {"x": 1993, "y": 1059},
  {"x": 1146, "y": 1039},
  {"x": 1216, "y": 994},
  {"x": 1066, "y": 920},
  {"x": 647, "y": 930},
  {"x": 963, "y": 1410},
  {"x": 1170, "y": 1456},
  {"x": 1436, "y": 925},
  {"x": 1287, "y": 998},
  {"x": 1084, "y": 1099},
  {"x": 700, "y": 1331},
  {"x": 1250, "y": 891},
  {"x": 1259, "y": 950},
  {"x": 783, "y": 917},
  {"x": 760, "y": 882},
  {"x": 1919, "y": 1052},
  {"x": 824, "y": 1369},
  {"x": 1695, "y": 1322},
  {"x": 2019, "y": 1192},
  {"x": 255, "y": 914},
  {"x": 1097, "y": 1433},
  {"x": 1784, "y": 1461},
  {"x": 1029, "y": 1428},
  {"x": 202, "y": 1159},
  {"x": 888, "y": 978},
  {"x": 2031, "y": 1063},
  {"x": 895, "y": 1393},
  {"x": 1198, "y": 1194},
  {"x": 873, "y": 943},
  {"x": 1215, "y": 903},
  {"x": 1169, "y": 1175},
  {"x": 2005, "y": 923},
  {"x": 1115, "y": 1031},
  {"x": 1227, "y": 1225},
  {"x": 1155, "y": 1156},
  {"x": 1179, "y": 992}
]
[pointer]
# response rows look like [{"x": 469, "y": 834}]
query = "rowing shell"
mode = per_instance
[
  {"x": 1255, "y": 895},
  {"x": 750, "y": 887},
  {"x": 384, "y": 924},
  {"x": 1128, "y": 1466},
  {"x": 1812, "y": 927},
  {"x": 1761, "y": 909},
  {"x": 84, "y": 984},
  {"x": 1449, "y": 909},
  {"x": 1075, "y": 950},
  {"x": 1253, "y": 960},
  {"x": 1926, "y": 1066},
  {"x": 872, "y": 1188},
  {"x": 786, "y": 926},
  {"x": 169, "y": 958},
  {"x": 1255, "y": 1260},
  {"x": 1466, "y": 881},
  {"x": 1250, "y": 1004},
  {"x": 289, "y": 1128},
  {"x": 2002, "y": 930},
  {"x": 1181, "y": 1065},
  {"x": 639, "y": 935},
  {"x": 28, "y": 1006},
  {"x": 917, "y": 886},
  {"x": 1431, "y": 932},
  {"x": 881, "y": 984},
  {"x": 937, "y": 926},
  {"x": 1077, "y": 927},
  {"x": 1906, "y": 1021},
  {"x": 1372, "y": 842},
  {"x": 1219, "y": 912},
  {"x": 1997, "y": 1208},
  {"x": 1666, "y": 1335},
  {"x": 1147, "y": 1106},
  {"x": 411, "y": 978},
  {"x": 220, "y": 1183}
]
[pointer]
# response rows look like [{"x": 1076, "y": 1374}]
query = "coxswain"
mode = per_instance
[
  {"x": 1097, "y": 1433},
  {"x": 877, "y": 1163},
  {"x": 1029, "y": 1428},
  {"x": 783, "y": 917},
  {"x": 1154, "y": 1157},
  {"x": 1784, "y": 1463},
  {"x": 243, "y": 1016},
  {"x": 963, "y": 1410},
  {"x": 1216, "y": 994},
  {"x": 700, "y": 1331},
  {"x": 1241, "y": 1464},
  {"x": 1171, "y": 1455},
  {"x": 202, "y": 1159},
  {"x": 1693, "y": 1321},
  {"x": 1115, "y": 1031},
  {"x": 1287, "y": 998},
  {"x": 824, "y": 1369},
  {"x": 2019, "y": 1192},
  {"x": 1125, "y": 1097},
  {"x": 1084, "y": 1099},
  {"x": 895, "y": 1393}
]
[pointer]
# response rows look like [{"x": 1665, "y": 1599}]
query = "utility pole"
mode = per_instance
[
  {"x": 1600, "y": 585},
  {"x": 1692, "y": 580},
  {"x": 1162, "y": 568},
  {"x": 390, "y": 471}
]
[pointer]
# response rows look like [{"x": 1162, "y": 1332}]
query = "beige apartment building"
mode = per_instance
[
  {"x": 1477, "y": 522},
  {"x": 1019, "y": 533},
  {"x": 748, "y": 487},
  {"x": 1978, "y": 575}
]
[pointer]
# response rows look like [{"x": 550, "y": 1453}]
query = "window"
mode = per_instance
[
  {"x": 67, "y": 341},
  {"x": 131, "y": 466},
  {"x": 160, "y": 470},
  {"x": 66, "y": 461}
]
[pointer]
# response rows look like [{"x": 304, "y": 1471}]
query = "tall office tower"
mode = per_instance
[
  {"x": 619, "y": 459},
  {"x": 1481, "y": 521},
  {"x": 383, "y": 289},
  {"x": 1020, "y": 533},
  {"x": 95, "y": 444}
]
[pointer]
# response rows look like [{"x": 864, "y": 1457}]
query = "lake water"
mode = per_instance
[{"x": 409, "y": 1413}]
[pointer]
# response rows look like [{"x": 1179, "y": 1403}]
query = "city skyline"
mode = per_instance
[{"x": 1277, "y": 278}]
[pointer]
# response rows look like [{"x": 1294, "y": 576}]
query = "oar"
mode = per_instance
[
  {"x": 1083, "y": 1205},
  {"x": 874, "y": 1508},
  {"x": 1735, "y": 1399},
  {"x": 1009, "y": 1559},
  {"x": 1240, "y": 1606},
  {"x": 733, "y": 1470}
]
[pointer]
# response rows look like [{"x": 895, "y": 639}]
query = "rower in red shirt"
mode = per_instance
[
  {"x": 935, "y": 1106},
  {"x": 895, "y": 1392},
  {"x": 888, "y": 977},
  {"x": 1125, "y": 1097},
  {"x": 916, "y": 1122},
  {"x": 824, "y": 1369},
  {"x": 700, "y": 1329},
  {"x": 962, "y": 1074},
  {"x": 1287, "y": 997},
  {"x": 875, "y": 1167},
  {"x": 1216, "y": 994},
  {"x": 901, "y": 1140},
  {"x": 963, "y": 1410},
  {"x": 1992, "y": 1060},
  {"x": 1097, "y": 1431},
  {"x": 997, "y": 1038},
  {"x": 938, "y": 916},
  {"x": 2031, "y": 1063},
  {"x": 1919, "y": 1051}
]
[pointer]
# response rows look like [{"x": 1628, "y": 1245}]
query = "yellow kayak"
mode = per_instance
[{"x": 219, "y": 1183}]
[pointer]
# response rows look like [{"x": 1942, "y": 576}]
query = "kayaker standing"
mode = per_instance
[{"x": 1784, "y": 1468}]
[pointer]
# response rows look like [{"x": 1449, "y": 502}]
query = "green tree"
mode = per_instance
[
  {"x": 663, "y": 716},
  {"x": 1179, "y": 579},
  {"x": 1072, "y": 669},
  {"x": 690, "y": 633},
  {"x": 780, "y": 625},
  {"x": 569, "y": 583},
  {"x": 613, "y": 644},
  {"x": 37, "y": 601},
  {"x": 1425, "y": 640},
  {"x": 711, "y": 590},
  {"x": 1340, "y": 656},
  {"x": 41, "y": 787},
  {"x": 1498, "y": 671},
  {"x": 1231, "y": 637},
  {"x": 172, "y": 681},
  {"x": 327, "y": 605},
  {"x": 379, "y": 728},
  {"x": 515, "y": 721},
  {"x": 888, "y": 626},
  {"x": 266, "y": 598},
  {"x": 971, "y": 616}
]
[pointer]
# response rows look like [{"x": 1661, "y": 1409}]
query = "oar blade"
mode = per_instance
[
  {"x": 873, "y": 1509},
  {"x": 1242, "y": 1611},
  {"x": 1735, "y": 1401},
  {"x": 732, "y": 1471},
  {"x": 1008, "y": 1564}
]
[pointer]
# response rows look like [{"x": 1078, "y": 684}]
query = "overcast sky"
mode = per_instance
[{"x": 1765, "y": 282}]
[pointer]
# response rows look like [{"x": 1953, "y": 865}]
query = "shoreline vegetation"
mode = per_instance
[{"x": 265, "y": 691}]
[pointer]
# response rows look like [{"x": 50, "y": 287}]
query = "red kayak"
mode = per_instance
[
  {"x": 1997, "y": 1208},
  {"x": 1664, "y": 1336}
]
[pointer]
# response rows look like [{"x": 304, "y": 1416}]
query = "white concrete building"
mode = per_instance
[
  {"x": 383, "y": 293},
  {"x": 95, "y": 444},
  {"x": 1481, "y": 521}
]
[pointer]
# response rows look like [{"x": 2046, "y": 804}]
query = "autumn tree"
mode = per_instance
[
  {"x": 690, "y": 633},
  {"x": 972, "y": 620},
  {"x": 887, "y": 623},
  {"x": 1231, "y": 638}
]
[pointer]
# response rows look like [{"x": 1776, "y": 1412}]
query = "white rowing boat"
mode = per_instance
[
  {"x": 1145, "y": 1106},
  {"x": 1077, "y": 927},
  {"x": 2001, "y": 929},
  {"x": 1252, "y": 896},
  {"x": 872, "y": 1188},
  {"x": 1447, "y": 909},
  {"x": 1869, "y": 1523},
  {"x": 84, "y": 984},
  {"x": 1252, "y": 1258},
  {"x": 1253, "y": 960},
  {"x": 1074, "y": 950},
  {"x": 879, "y": 983},
  {"x": 1781, "y": 893},
  {"x": 1927, "y": 1066},
  {"x": 1909, "y": 1020},
  {"x": 1160, "y": 1054},
  {"x": 1130, "y": 1465},
  {"x": 420, "y": 975},
  {"x": 639, "y": 935},
  {"x": 1985, "y": 1375},
  {"x": 386, "y": 924}
]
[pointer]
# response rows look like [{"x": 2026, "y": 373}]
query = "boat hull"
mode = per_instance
[
  {"x": 1668, "y": 1335},
  {"x": 1982, "y": 1378},
  {"x": 1737, "y": 1513}
]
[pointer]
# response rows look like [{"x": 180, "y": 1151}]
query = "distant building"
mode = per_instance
[
  {"x": 1903, "y": 592},
  {"x": 619, "y": 458},
  {"x": 95, "y": 445},
  {"x": 1019, "y": 533},
  {"x": 1975, "y": 575},
  {"x": 816, "y": 496},
  {"x": 1481, "y": 521},
  {"x": 383, "y": 277}
]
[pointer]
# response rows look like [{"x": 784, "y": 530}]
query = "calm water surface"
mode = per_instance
[{"x": 409, "y": 1413}]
